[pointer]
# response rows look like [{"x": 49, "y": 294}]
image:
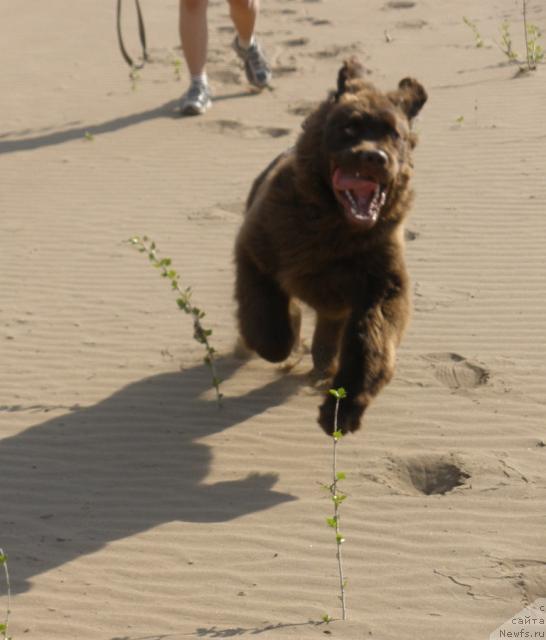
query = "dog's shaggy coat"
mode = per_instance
[{"x": 324, "y": 225}]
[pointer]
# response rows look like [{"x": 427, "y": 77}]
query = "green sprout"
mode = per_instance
[
  {"x": 534, "y": 51},
  {"x": 506, "y": 45},
  {"x": 143, "y": 244},
  {"x": 177, "y": 67},
  {"x": 477, "y": 37},
  {"x": 134, "y": 77}
]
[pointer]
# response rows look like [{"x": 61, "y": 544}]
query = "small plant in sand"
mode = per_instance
[
  {"x": 88, "y": 136},
  {"x": 337, "y": 498},
  {"x": 533, "y": 49},
  {"x": 4, "y": 625},
  {"x": 506, "y": 45},
  {"x": 477, "y": 37},
  {"x": 177, "y": 67},
  {"x": 535, "y": 53},
  {"x": 144, "y": 245},
  {"x": 134, "y": 77}
]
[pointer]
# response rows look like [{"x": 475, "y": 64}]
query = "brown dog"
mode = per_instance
[{"x": 324, "y": 225}]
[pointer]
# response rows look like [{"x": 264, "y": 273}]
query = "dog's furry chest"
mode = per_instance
[{"x": 326, "y": 282}]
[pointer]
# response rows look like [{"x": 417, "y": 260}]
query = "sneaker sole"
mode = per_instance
[{"x": 194, "y": 110}]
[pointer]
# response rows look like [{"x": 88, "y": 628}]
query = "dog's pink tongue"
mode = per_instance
[{"x": 359, "y": 186}]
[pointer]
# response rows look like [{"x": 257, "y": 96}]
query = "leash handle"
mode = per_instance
[{"x": 141, "y": 33}]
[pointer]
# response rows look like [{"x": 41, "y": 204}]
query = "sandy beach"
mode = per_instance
[{"x": 131, "y": 506}]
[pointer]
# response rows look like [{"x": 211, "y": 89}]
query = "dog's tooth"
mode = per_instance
[{"x": 351, "y": 199}]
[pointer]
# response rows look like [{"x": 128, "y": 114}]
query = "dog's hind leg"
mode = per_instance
[{"x": 267, "y": 322}]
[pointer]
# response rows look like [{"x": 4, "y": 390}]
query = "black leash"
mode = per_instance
[{"x": 141, "y": 33}]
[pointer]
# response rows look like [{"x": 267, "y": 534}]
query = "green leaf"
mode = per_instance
[
  {"x": 3, "y": 559},
  {"x": 331, "y": 522},
  {"x": 337, "y": 435},
  {"x": 326, "y": 618},
  {"x": 182, "y": 303},
  {"x": 340, "y": 475},
  {"x": 339, "y": 538}
]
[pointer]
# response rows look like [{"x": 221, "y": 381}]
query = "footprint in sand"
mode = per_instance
[
  {"x": 424, "y": 475},
  {"x": 227, "y": 211},
  {"x": 399, "y": 4},
  {"x": 411, "y": 24},
  {"x": 296, "y": 42},
  {"x": 225, "y": 76},
  {"x": 334, "y": 51},
  {"x": 284, "y": 70},
  {"x": 314, "y": 21},
  {"x": 302, "y": 108},
  {"x": 456, "y": 372},
  {"x": 236, "y": 128}
]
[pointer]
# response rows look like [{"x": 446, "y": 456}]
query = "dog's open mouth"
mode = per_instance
[{"x": 362, "y": 197}]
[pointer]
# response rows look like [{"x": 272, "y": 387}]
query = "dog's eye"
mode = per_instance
[
  {"x": 394, "y": 134},
  {"x": 350, "y": 131}
]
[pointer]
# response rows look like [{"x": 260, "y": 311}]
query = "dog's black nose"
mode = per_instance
[{"x": 376, "y": 156}]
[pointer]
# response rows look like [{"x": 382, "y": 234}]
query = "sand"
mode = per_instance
[{"x": 131, "y": 507}]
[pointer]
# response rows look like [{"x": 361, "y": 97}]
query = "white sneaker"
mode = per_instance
[
  {"x": 196, "y": 100},
  {"x": 257, "y": 69}
]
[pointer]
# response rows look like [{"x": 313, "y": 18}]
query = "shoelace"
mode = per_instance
[{"x": 197, "y": 91}]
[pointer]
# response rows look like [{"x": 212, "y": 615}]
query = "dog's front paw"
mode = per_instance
[{"x": 349, "y": 415}]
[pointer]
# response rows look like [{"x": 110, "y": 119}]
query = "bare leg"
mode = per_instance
[
  {"x": 194, "y": 34},
  {"x": 244, "y": 14}
]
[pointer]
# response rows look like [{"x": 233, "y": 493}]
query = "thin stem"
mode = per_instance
[
  {"x": 184, "y": 303},
  {"x": 339, "y": 538},
  {"x": 526, "y": 38},
  {"x": 8, "y": 610}
]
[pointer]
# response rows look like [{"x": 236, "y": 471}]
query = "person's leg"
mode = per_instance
[
  {"x": 244, "y": 14},
  {"x": 194, "y": 40},
  {"x": 194, "y": 34}
]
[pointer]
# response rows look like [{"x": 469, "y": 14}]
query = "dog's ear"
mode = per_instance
[
  {"x": 350, "y": 70},
  {"x": 410, "y": 97}
]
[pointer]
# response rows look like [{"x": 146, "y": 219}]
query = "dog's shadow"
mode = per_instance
[{"x": 74, "y": 483}]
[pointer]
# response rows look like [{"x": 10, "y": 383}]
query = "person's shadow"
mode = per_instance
[
  {"x": 53, "y": 136},
  {"x": 74, "y": 483}
]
